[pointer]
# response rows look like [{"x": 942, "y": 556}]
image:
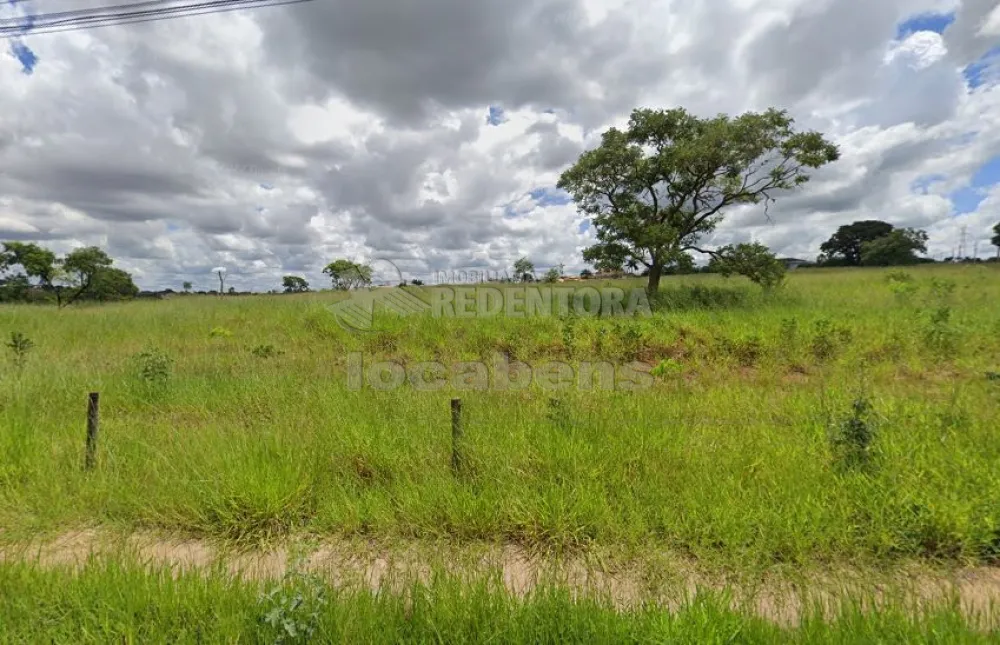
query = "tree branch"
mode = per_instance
[{"x": 714, "y": 254}]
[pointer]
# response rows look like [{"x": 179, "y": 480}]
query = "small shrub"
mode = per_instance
[
  {"x": 902, "y": 286},
  {"x": 667, "y": 368},
  {"x": 292, "y": 609},
  {"x": 853, "y": 440},
  {"x": 220, "y": 332},
  {"x": 898, "y": 276},
  {"x": 941, "y": 291},
  {"x": 892, "y": 349},
  {"x": 828, "y": 338},
  {"x": 553, "y": 274},
  {"x": 939, "y": 336},
  {"x": 629, "y": 339},
  {"x": 601, "y": 342},
  {"x": 747, "y": 351},
  {"x": 19, "y": 346},
  {"x": 265, "y": 351},
  {"x": 154, "y": 366},
  {"x": 789, "y": 332},
  {"x": 559, "y": 413}
]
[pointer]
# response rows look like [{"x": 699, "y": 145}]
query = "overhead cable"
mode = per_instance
[{"x": 146, "y": 11}]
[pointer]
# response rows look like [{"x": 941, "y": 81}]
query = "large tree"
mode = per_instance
[
  {"x": 607, "y": 258},
  {"x": 348, "y": 275},
  {"x": 111, "y": 283},
  {"x": 24, "y": 266},
  {"x": 844, "y": 246},
  {"x": 84, "y": 273},
  {"x": 898, "y": 247},
  {"x": 81, "y": 269},
  {"x": 294, "y": 284},
  {"x": 656, "y": 188},
  {"x": 524, "y": 270},
  {"x": 995, "y": 240}
]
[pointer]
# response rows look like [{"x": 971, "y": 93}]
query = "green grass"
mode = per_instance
[
  {"x": 121, "y": 602},
  {"x": 727, "y": 457}
]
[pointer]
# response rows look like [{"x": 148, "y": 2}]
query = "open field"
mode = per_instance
[{"x": 231, "y": 421}]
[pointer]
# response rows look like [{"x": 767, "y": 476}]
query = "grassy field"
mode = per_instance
[
  {"x": 848, "y": 418},
  {"x": 121, "y": 602}
]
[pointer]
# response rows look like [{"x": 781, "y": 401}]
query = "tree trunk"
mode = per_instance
[{"x": 654, "y": 279}]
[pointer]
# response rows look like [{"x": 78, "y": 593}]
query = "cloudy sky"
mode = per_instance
[{"x": 432, "y": 133}]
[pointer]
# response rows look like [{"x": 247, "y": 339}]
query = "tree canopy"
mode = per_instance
[
  {"x": 844, "y": 246},
  {"x": 995, "y": 240},
  {"x": 554, "y": 273},
  {"x": 82, "y": 267},
  {"x": 655, "y": 189},
  {"x": 524, "y": 270},
  {"x": 84, "y": 273},
  {"x": 112, "y": 283},
  {"x": 348, "y": 275},
  {"x": 294, "y": 284},
  {"x": 900, "y": 246},
  {"x": 754, "y": 260}
]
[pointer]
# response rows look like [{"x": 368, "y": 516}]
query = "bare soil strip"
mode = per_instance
[{"x": 782, "y": 597}]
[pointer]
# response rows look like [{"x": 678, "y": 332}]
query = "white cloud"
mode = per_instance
[
  {"x": 366, "y": 122},
  {"x": 919, "y": 50}
]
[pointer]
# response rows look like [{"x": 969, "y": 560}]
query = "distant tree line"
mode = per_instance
[
  {"x": 873, "y": 243},
  {"x": 32, "y": 273},
  {"x": 878, "y": 243}
]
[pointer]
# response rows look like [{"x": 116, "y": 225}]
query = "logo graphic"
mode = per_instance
[
  {"x": 357, "y": 312},
  {"x": 378, "y": 284}
]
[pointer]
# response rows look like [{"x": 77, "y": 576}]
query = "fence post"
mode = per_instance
[
  {"x": 456, "y": 435},
  {"x": 93, "y": 422}
]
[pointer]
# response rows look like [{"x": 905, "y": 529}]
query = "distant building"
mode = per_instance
[
  {"x": 792, "y": 263},
  {"x": 156, "y": 295}
]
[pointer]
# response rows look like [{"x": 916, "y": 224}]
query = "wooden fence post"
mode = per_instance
[
  {"x": 456, "y": 435},
  {"x": 93, "y": 422}
]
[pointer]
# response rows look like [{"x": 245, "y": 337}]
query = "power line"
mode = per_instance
[
  {"x": 100, "y": 17},
  {"x": 147, "y": 11},
  {"x": 82, "y": 12}
]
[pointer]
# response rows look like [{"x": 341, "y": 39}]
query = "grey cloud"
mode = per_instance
[
  {"x": 826, "y": 48},
  {"x": 965, "y": 44},
  {"x": 554, "y": 151},
  {"x": 408, "y": 61}
]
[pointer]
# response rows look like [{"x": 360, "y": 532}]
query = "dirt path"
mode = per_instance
[{"x": 778, "y": 596}]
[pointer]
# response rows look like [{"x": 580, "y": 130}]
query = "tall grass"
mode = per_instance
[
  {"x": 109, "y": 602},
  {"x": 730, "y": 456}
]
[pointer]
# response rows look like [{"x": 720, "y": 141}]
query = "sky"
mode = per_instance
[{"x": 432, "y": 134}]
